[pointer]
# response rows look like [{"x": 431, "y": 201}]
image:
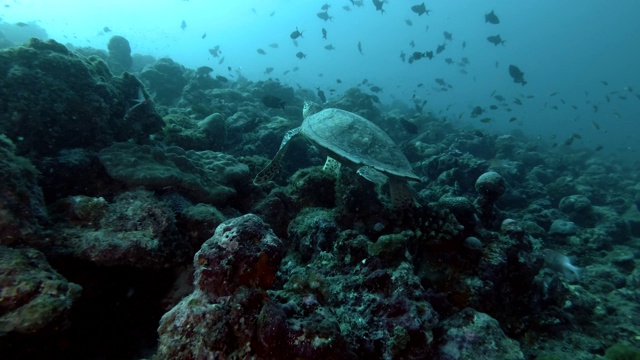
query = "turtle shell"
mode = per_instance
[{"x": 356, "y": 140}]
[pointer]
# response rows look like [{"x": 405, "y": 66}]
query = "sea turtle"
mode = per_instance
[{"x": 353, "y": 141}]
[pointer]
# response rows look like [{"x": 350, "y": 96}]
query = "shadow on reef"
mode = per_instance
[{"x": 130, "y": 226}]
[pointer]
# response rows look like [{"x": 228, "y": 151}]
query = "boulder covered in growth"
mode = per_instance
[
  {"x": 204, "y": 176},
  {"x": 52, "y": 98}
]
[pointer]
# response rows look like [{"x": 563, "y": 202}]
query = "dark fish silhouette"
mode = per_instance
[
  {"x": 420, "y": 9},
  {"x": 106, "y": 29},
  {"x": 429, "y": 54},
  {"x": 440, "y": 82},
  {"x": 325, "y": 6},
  {"x": 495, "y": 40},
  {"x": 203, "y": 71},
  {"x": 375, "y": 89},
  {"x": 261, "y": 52},
  {"x": 517, "y": 75},
  {"x": 477, "y": 111},
  {"x": 360, "y": 47},
  {"x": 296, "y": 34},
  {"x": 268, "y": 70},
  {"x": 491, "y": 18},
  {"x": 378, "y": 4},
  {"x": 222, "y": 78},
  {"x": 329, "y": 47},
  {"x": 273, "y": 45},
  {"x": 203, "y": 36},
  {"x": 324, "y": 33},
  {"x": 273, "y": 102},
  {"x": 301, "y": 55},
  {"x": 321, "y": 95},
  {"x": 440, "y": 48},
  {"x": 215, "y": 52},
  {"x": 183, "y": 25},
  {"x": 403, "y": 56},
  {"x": 324, "y": 15},
  {"x": 408, "y": 126},
  {"x": 448, "y": 36}
]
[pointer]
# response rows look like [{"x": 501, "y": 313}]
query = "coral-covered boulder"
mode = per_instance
[
  {"x": 242, "y": 252},
  {"x": 205, "y": 176},
  {"x": 119, "y": 55},
  {"x": 135, "y": 230},
  {"x": 475, "y": 335},
  {"x": 53, "y": 99},
  {"x": 33, "y": 296},
  {"x": 228, "y": 315},
  {"x": 166, "y": 79},
  {"x": 21, "y": 202}
]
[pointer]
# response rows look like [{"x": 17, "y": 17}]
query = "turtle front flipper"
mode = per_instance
[{"x": 274, "y": 166}]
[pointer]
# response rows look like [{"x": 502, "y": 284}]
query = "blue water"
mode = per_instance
[{"x": 572, "y": 48}]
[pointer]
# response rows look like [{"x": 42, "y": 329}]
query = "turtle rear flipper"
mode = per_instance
[{"x": 275, "y": 164}]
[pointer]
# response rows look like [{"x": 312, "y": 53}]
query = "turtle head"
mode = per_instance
[{"x": 310, "y": 108}]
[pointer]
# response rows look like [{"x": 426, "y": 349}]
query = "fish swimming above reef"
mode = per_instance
[
  {"x": 517, "y": 75},
  {"x": 477, "y": 111},
  {"x": 420, "y": 9},
  {"x": 296, "y": 34},
  {"x": 215, "y": 52},
  {"x": 408, "y": 126},
  {"x": 203, "y": 71},
  {"x": 417, "y": 55},
  {"x": 324, "y": 15},
  {"x": 321, "y": 95},
  {"x": 491, "y": 18},
  {"x": 273, "y": 102},
  {"x": 268, "y": 70},
  {"x": 378, "y": 4},
  {"x": 495, "y": 40}
]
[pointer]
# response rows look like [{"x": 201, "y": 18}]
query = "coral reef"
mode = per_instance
[
  {"x": 54, "y": 99},
  {"x": 34, "y": 297},
  {"x": 203, "y": 175}
]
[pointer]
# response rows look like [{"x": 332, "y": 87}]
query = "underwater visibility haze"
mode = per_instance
[{"x": 335, "y": 179}]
